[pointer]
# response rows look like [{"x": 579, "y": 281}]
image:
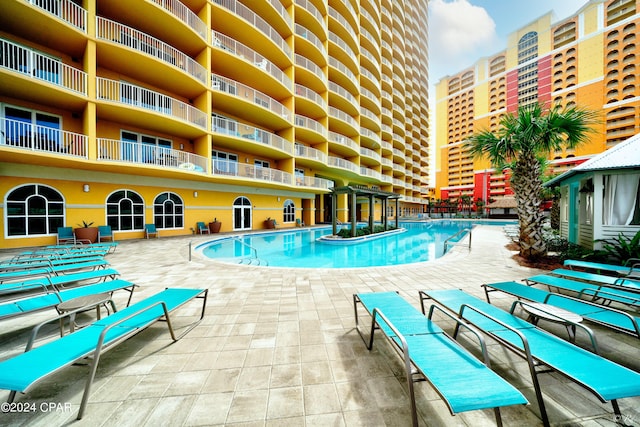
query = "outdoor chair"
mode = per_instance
[
  {"x": 609, "y": 317},
  {"x": 542, "y": 351},
  {"x": 21, "y": 372},
  {"x": 299, "y": 222},
  {"x": 150, "y": 231},
  {"x": 65, "y": 236},
  {"x": 466, "y": 384},
  {"x": 202, "y": 228},
  {"x": 105, "y": 233}
]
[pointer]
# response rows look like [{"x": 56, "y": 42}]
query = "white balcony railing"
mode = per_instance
[
  {"x": 146, "y": 154},
  {"x": 311, "y": 124},
  {"x": 184, "y": 14},
  {"x": 260, "y": 24},
  {"x": 238, "y": 49},
  {"x": 222, "y": 167},
  {"x": 66, "y": 10},
  {"x": 242, "y": 91},
  {"x": 41, "y": 67},
  {"x": 311, "y": 66},
  {"x": 225, "y": 126},
  {"x": 343, "y": 140},
  {"x": 314, "y": 182},
  {"x": 137, "y": 40},
  {"x": 343, "y": 164},
  {"x": 19, "y": 134},
  {"x": 310, "y": 153},
  {"x": 128, "y": 94},
  {"x": 312, "y": 38},
  {"x": 311, "y": 95}
]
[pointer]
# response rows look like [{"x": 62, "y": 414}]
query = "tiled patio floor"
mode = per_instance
[{"x": 278, "y": 348}]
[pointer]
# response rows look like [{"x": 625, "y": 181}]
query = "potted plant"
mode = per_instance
[
  {"x": 269, "y": 223},
  {"x": 85, "y": 233},
  {"x": 214, "y": 226}
]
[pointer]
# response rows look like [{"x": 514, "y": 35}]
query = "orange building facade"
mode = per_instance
[{"x": 590, "y": 59}]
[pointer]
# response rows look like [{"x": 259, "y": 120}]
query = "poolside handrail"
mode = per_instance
[
  {"x": 255, "y": 251},
  {"x": 446, "y": 242}
]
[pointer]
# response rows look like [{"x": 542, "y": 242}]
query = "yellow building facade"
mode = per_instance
[
  {"x": 171, "y": 112},
  {"x": 590, "y": 59}
]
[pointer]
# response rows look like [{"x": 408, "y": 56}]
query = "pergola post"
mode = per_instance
[
  {"x": 334, "y": 220},
  {"x": 397, "y": 222},
  {"x": 372, "y": 208},
  {"x": 354, "y": 221}
]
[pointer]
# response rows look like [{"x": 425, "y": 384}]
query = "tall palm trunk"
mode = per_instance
[{"x": 527, "y": 184}]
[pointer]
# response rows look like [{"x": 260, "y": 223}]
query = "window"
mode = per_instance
[
  {"x": 31, "y": 129},
  {"x": 224, "y": 163},
  {"x": 621, "y": 204},
  {"x": 34, "y": 209},
  {"x": 125, "y": 211},
  {"x": 289, "y": 211},
  {"x": 137, "y": 147},
  {"x": 168, "y": 211},
  {"x": 299, "y": 175}
]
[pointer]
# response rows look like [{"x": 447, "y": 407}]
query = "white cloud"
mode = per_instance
[{"x": 458, "y": 30}]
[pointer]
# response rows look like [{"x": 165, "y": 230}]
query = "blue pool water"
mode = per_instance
[{"x": 423, "y": 241}]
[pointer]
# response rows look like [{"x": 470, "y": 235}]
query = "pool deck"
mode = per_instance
[{"x": 278, "y": 348}]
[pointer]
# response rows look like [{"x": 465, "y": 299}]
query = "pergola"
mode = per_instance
[{"x": 371, "y": 193}]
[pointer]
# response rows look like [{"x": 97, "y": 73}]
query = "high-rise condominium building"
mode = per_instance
[
  {"x": 171, "y": 112},
  {"x": 590, "y": 59}
]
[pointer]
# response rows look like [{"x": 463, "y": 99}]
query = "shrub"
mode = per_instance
[{"x": 620, "y": 249}]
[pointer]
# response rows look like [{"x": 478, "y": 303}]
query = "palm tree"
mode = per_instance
[{"x": 535, "y": 131}]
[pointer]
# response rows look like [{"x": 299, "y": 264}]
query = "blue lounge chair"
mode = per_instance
[
  {"x": 50, "y": 298},
  {"x": 65, "y": 236},
  {"x": 607, "y": 294},
  {"x": 618, "y": 270},
  {"x": 150, "y": 231},
  {"x": 466, "y": 384},
  {"x": 615, "y": 319},
  {"x": 607, "y": 380},
  {"x": 21, "y": 372},
  {"x": 60, "y": 282},
  {"x": 202, "y": 228},
  {"x": 624, "y": 281},
  {"x": 48, "y": 267}
]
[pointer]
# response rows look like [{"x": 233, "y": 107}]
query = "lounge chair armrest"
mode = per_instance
[
  {"x": 34, "y": 332},
  {"x": 461, "y": 323}
]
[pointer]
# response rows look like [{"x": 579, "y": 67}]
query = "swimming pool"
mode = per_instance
[{"x": 423, "y": 241}]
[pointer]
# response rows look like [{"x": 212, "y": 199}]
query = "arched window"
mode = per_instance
[
  {"x": 168, "y": 211},
  {"x": 34, "y": 210},
  {"x": 125, "y": 211},
  {"x": 289, "y": 211}
]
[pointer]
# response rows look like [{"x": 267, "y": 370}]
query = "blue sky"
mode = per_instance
[{"x": 462, "y": 31}]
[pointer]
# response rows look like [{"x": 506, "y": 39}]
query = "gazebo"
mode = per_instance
[{"x": 370, "y": 193}]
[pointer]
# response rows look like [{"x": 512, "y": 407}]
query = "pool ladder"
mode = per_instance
[
  {"x": 252, "y": 260},
  {"x": 446, "y": 242}
]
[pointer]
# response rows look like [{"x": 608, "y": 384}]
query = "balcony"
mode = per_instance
[
  {"x": 242, "y": 170},
  {"x": 126, "y": 94},
  {"x": 314, "y": 182},
  {"x": 256, "y": 22},
  {"x": 29, "y": 137},
  {"x": 43, "y": 68},
  {"x": 248, "y": 94},
  {"x": 343, "y": 164},
  {"x": 112, "y": 150},
  {"x": 342, "y": 144},
  {"x": 310, "y": 153},
  {"x": 133, "y": 39},
  {"x": 242, "y": 52},
  {"x": 184, "y": 14},
  {"x": 225, "y": 126},
  {"x": 65, "y": 10}
]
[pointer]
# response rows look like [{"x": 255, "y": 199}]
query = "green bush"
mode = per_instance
[{"x": 620, "y": 249}]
